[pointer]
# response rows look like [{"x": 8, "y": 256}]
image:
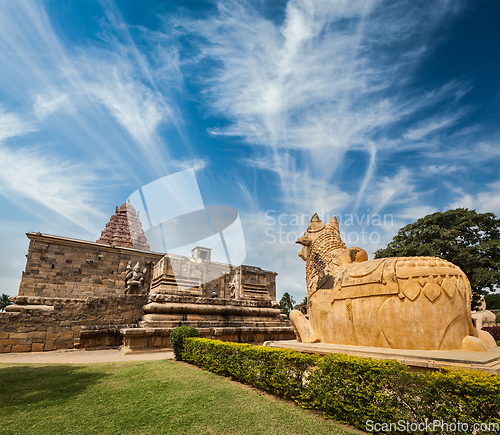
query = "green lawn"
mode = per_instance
[{"x": 146, "y": 397}]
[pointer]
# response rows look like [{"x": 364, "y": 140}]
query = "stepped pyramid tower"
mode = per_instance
[{"x": 125, "y": 229}]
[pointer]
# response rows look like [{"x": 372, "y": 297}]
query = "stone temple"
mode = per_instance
[{"x": 116, "y": 292}]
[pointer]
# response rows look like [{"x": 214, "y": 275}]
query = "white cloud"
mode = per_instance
[
  {"x": 433, "y": 125},
  {"x": 329, "y": 79},
  {"x": 302, "y": 192},
  {"x": 49, "y": 102},
  {"x": 66, "y": 189},
  {"x": 11, "y": 124},
  {"x": 413, "y": 213},
  {"x": 110, "y": 80},
  {"x": 197, "y": 164},
  {"x": 77, "y": 82},
  {"x": 318, "y": 80},
  {"x": 399, "y": 189},
  {"x": 483, "y": 202},
  {"x": 443, "y": 169}
]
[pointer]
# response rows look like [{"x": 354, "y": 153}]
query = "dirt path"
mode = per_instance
[{"x": 79, "y": 356}]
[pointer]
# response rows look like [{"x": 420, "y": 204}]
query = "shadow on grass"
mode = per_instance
[{"x": 52, "y": 385}]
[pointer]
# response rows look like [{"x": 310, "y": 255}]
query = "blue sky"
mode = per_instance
[{"x": 379, "y": 112}]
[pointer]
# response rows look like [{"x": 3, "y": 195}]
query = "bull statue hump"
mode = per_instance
[{"x": 420, "y": 303}]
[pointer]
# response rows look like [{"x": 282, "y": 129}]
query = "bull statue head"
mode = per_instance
[
  {"x": 312, "y": 232},
  {"x": 324, "y": 240}
]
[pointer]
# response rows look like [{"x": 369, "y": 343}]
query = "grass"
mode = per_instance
[{"x": 146, "y": 397}]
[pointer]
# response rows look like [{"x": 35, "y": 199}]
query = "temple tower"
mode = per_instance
[{"x": 125, "y": 229}]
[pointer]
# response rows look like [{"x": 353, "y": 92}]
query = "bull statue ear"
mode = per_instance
[
  {"x": 334, "y": 223},
  {"x": 315, "y": 224},
  {"x": 332, "y": 227}
]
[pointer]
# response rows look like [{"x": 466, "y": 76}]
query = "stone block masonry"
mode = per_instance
[
  {"x": 57, "y": 323},
  {"x": 59, "y": 267},
  {"x": 70, "y": 286},
  {"x": 75, "y": 293}
]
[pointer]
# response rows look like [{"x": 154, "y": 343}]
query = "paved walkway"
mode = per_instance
[{"x": 78, "y": 356}]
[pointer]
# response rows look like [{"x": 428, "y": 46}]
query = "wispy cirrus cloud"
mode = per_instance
[
  {"x": 487, "y": 200},
  {"x": 12, "y": 124},
  {"x": 331, "y": 77},
  {"x": 109, "y": 81},
  {"x": 45, "y": 104},
  {"x": 197, "y": 164},
  {"x": 399, "y": 189},
  {"x": 433, "y": 125},
  {"x": 413, "y": 213},
  {"x": 66, "y": 189},
  {"x": 103, "y": 86},
  {"x": 442, "y": 169},
  {"x": 302, "y": 192},
  {"x": 30, "y": 174}
]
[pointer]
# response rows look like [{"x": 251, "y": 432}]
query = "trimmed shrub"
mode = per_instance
[
  {"x": 497, "y": 319},
  {"x": 357, "y": 391},
  {"x": 353, "y": 390},
  {"x": 178, "y": 336},
  {"x": 460, "y": 395},
  {"x": 280, "y": 371}
]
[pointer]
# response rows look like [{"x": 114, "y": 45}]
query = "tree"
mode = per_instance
[
  {"x": 464, "y": 237},
  {"x": 4, "y": 302},
  {"x": 286, "y": 303},
  {"x": 492, "y": 301}
]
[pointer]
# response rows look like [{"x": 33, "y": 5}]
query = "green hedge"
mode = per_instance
[
  {"x": 178, "y": 337},
  {"x": 353, "y": 390},
  {"x": 359, "y": 391},
  {"x": 280, "y": 371}
]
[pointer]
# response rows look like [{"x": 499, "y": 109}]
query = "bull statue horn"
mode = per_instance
[{"x": 315, "y": 224}]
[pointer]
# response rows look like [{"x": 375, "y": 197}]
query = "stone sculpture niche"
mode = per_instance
[
  {"x": 134, "y": 279},
  {"x": 418, "y": 303}
]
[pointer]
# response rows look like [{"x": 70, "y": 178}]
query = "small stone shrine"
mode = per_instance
[
  {"x": 481, "y": 316},
  {"x": 116, "y": 292}
]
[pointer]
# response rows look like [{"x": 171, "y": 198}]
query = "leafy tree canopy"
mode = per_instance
[
  {"x": 492, "y": 301},
  {"x": 4, "y": 301},
  {"x": 286, "y": 303},
  {"x": 464, "y": 237}
]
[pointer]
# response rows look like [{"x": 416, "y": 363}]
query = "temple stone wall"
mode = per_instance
[
  {"x": 44, "y": 324},
  {"x": 72, "y": 294},
  {"x": 67, "y": 268}
]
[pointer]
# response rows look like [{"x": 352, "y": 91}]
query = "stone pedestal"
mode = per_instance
[
  {"x": 244, "y": 321},
  {"x": 421, "y": 360}
]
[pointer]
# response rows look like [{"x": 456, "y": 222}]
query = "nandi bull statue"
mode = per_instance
[{"x": 403, "y": 303}]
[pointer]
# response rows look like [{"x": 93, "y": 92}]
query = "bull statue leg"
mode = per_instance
[{"x": 302, "y": 327}]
